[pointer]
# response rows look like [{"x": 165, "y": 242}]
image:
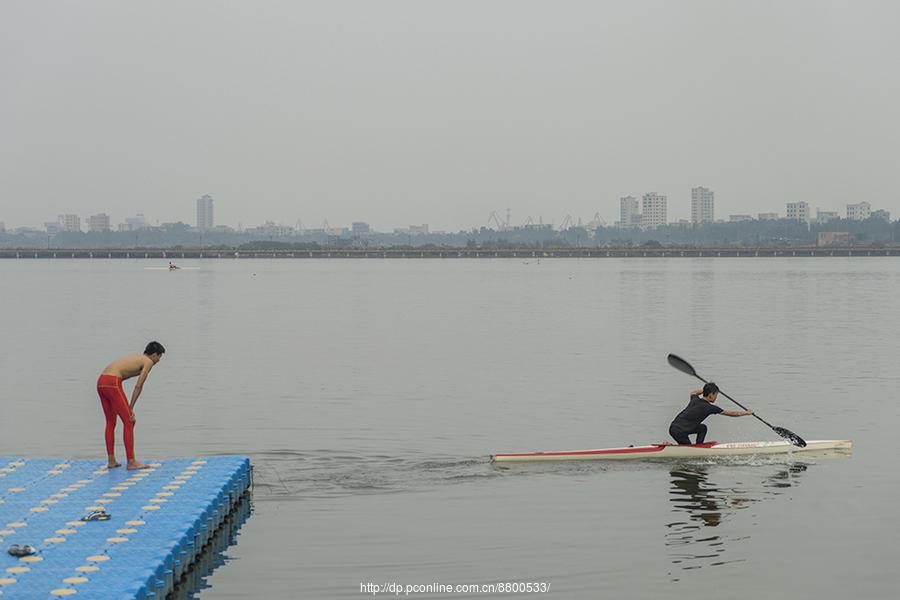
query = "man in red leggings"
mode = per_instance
[{"x": 115, "y": 404}]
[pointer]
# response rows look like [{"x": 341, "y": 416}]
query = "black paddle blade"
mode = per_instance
[
  {"x": 682, "y": 365},
  {"x": 790, "y": 436}
]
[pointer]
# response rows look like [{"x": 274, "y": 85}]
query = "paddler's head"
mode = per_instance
[{"x": 710, "y": 392}]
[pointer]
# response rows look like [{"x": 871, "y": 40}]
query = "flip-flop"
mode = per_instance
[
  {"x": 17, "y": 550},
  {"x": 97, "y": 515}
]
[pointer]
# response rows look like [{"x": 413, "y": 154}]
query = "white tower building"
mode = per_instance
[
  {"x": 702, "y": 205},
  {"x": 653, "y": 211},
  {"x": 205, "y": 218},
  {"x": 859, "y": 212},
  {"x": 799, "y": 211},
  {"x": 98, "y": 223},
  {"x": 628, "y": 210}
]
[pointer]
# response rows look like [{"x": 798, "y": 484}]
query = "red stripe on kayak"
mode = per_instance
[{"x": 630, "y": 450}]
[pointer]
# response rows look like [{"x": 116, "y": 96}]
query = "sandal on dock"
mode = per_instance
[
  {"x": 26, "y": 550},
  {"x": 97, "y": 515}
]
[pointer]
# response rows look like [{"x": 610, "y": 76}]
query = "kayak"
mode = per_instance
[{"x": 657, "y": 451}]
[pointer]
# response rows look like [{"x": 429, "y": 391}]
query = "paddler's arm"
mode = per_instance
[
  {"x": 697, "y": 392},
  {"x": 736, "y": 413},
  {"x": 148, "y": 364}
]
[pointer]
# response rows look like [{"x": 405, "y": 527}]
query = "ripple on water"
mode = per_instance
[{"x": 321, "y": 473}]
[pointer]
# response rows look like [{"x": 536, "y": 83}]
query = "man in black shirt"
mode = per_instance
[{"x": 690, "y": 420}]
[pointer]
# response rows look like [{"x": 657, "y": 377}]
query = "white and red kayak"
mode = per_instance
[{"x": 656, "y": 451}]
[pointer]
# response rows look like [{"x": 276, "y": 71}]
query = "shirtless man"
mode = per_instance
[{"x": 115, "y": 404}]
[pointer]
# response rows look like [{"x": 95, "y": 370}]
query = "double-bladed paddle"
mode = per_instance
[{"x": 685, "y": 367}]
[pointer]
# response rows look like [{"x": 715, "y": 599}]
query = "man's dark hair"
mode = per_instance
[
  {"x": 157, "y": 348},
  {"x": 710, "y": 388}
]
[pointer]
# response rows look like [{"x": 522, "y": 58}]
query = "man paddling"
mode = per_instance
[
  {"x": 690, "y": 420},
  {"x": 115, "y": 404}
]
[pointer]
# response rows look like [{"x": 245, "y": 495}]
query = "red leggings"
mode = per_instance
[{"x": 115, "y": 404}]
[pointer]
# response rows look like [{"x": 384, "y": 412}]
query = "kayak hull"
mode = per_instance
[{"x": 666, "y": 451}]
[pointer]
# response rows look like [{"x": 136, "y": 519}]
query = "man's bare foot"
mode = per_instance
[
  {"x": 113, "y": 464},
  {"x": 133, "y": 464}
]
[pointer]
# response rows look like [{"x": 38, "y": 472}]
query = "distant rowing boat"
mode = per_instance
[
  {"x": 657, "y": 451},
  {"x": 168, "y": 269}
]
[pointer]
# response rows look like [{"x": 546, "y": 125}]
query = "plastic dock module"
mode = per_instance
[{"x": 160, "y": 520}]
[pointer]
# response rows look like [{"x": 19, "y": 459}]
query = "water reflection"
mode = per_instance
[
  {"x": 214, "y": 555},
  {"x": 699, "y": 504}
]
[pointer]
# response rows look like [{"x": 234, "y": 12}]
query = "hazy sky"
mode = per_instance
[{"x": 439, "y": 112}]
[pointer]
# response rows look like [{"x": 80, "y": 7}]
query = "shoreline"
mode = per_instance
[{"x": 388, "y": 253}]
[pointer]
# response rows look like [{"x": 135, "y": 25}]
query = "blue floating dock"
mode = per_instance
[{"x": 162, "y": 518}]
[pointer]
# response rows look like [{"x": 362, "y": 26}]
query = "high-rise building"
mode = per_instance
[
  {"x": 768, "y": 216},
  {"x": 798, "y": 211},
  {"x": 205, "y": 212},
  {"x": 702, "y": 209},
  {"x": 823, "y": 216},
  {"x": 133, "y": 223},
  {"x": 653, "y": 210},
  {"x": 2, "y": 227},
  {"x": 70, "y": 223},
  {"x": 98, "y": 223},
  {"x": 628, "y": 211},
  {"x": 882, "y": 214},
  {"x": 859, "y": 212},
  {"x": 360, "y": 228}
]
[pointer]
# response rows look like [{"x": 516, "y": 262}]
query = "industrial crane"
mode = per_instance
[{"x": 496, "y": 219}]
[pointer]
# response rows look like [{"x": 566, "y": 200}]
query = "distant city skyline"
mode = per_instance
[
  {"x": 648, "y": 213},
  {"x": 611, "y": 212}
]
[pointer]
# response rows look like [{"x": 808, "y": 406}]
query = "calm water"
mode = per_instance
[{"x": 370, "y": 393}]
